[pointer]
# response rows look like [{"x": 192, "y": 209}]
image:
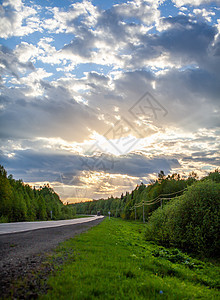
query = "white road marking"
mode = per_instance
[{"x": 6, "y": 228}]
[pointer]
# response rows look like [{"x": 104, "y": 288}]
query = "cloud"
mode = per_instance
[
  {"x": 152, "y": 78},
  {"x": 66, "y": 21},
  {"x": 43, "y": 51},
  {"x": 33, "y": 83},
  {"x": 186, "y": 37},
  {"x": 185, "y": 42},
  {"x": 13, "y": 14},
  {"x": 62, "y": 166},
  {"x": 204, "y": 14},
  {"x": 113, "y": 31},
  {"x": 180, "y": 90},
  {"x": 181, "y": 41},
  {"x": 195, "y": 2},
  {"x": 26, "y": 117},
  {"x": 53, "y": 161},
  {"x": 207, "y": 160},
  {"x": 26, "y": 52},
  {"x": 11, "y": 65},
  {"x": 146, "y": 11}
]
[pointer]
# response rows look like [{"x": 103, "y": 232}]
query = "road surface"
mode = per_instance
[
  {"x": 22, "y": 253},
  {"x": 6, "y": 228}
]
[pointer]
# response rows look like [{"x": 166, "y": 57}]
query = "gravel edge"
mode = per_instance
[{"x": 25, "y": 259}]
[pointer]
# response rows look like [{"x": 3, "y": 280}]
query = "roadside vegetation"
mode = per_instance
[
  {"x": 191, "y": 221},
  {"x": 114, "y": 261},
  {"x": 20, "y": 202},
  {"x": 183, "y": 213},
  {"x": 169, "y": 186}
]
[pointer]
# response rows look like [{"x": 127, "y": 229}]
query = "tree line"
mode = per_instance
[
  {"x": 122, "y": 206},
  {"x": 20, "y": 202}
]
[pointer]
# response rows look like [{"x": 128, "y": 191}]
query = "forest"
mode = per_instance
[
  {"x": 179, "y": 212},
  {"x": 124, "y": 206},
  {"x": 20, "y": 202}
]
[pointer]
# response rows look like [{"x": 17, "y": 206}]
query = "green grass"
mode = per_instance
[{"x": 113, "y": 261}]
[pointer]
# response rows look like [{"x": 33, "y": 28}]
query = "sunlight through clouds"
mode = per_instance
[{"x": 99, "y": 97}]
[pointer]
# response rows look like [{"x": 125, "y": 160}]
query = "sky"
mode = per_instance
[{"x": 99, "y": 96}]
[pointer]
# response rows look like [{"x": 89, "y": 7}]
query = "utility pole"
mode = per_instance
[{"x": 143, "y": 213}]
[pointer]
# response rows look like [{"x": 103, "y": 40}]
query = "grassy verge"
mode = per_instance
[{"x": 113, "y": 261}]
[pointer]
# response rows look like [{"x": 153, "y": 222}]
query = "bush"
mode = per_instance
[
  {"x": 191, "y": 221},
  {"x": 214, "y": 176}
]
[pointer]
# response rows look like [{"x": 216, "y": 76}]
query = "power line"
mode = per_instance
[
  {"x": 157, "y": 199},
  {"x": 174, "y": 193}
]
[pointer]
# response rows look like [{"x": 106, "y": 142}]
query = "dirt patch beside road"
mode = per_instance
[{"x": 22, "y": 255}]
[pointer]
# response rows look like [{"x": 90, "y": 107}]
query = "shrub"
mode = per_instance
[
  {"x": 191, "y": 221},
  {"x": 214, "y": 176}
]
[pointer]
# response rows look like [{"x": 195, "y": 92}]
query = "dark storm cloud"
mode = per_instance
[
  {"x": 140, "y": 166},
  {"x": 63, "y": 167},
  {"x": 40, "y": 166}
]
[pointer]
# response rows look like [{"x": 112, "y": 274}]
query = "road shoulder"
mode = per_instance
[{"x": 22, "y": 254}]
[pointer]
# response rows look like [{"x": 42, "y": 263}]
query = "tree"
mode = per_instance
[
  {"x": 41, "y": 211},
  {"x": 161, "y": 176},
  {"x": 5, "y": 194}
]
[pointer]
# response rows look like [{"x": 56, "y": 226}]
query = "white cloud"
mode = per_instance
[
  {"x": 32, "y": 82},
  {"x": 13, "y": 3},
  {"x": 146, "y": 11},
  {"x": 106, "y": 38},
  {"x": 13, "y": 14},
  {"x": 218, "y": 28},
  {"x": 64, "y": 21},
  {"x": 194, "y": 2},
  {"x": 42, "y": 51},
  {"x": 26, "y": 52},
  {"x": 204, "y": 14},
  {"x": 48, "y": 53},
  {"x": 10, "y": 65},
  {"x": 183, "y": 8}
]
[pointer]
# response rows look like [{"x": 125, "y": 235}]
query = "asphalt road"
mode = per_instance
[
  {"x": 22, "y": 253},
  {"x": 6, "y": 228}
]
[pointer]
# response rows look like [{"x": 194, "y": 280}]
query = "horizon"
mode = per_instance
[{"x": 76, "y": 200}]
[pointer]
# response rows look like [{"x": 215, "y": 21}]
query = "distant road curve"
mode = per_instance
[{"x": 6, "y": 228}]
